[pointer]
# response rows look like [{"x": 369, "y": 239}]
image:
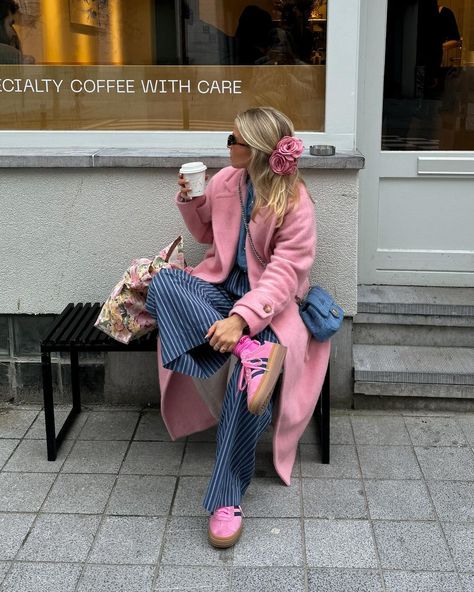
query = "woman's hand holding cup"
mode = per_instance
[
  {"x": 184, "y": 189},
  {"x": 192, "y": 178}
]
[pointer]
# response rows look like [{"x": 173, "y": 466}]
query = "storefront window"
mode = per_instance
[
  {"x": 429, "y": 75},
  {"x": 159, "y": 64}
]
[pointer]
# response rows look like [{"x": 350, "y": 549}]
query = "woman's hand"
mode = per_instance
[
  {"x": 223, "y": 335},
  {"x": 183, "y": 190}
]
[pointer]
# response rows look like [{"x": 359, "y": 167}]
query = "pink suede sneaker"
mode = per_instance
[
  {"x": 225, "y": 526},
  {"x": 260, "y": 370}
]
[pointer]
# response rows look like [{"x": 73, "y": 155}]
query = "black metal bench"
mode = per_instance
[{"x": 73, "y": 331}]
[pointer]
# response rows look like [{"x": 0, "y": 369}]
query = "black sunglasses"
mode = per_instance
[{"x": 232, "y": 141}]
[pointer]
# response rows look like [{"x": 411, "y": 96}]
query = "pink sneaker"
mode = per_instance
[
  {"x": 225, "y": 526},
  {"x": 260, "y": 370}
]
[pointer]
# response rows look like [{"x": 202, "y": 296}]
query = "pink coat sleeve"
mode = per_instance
[
  {"x": 197, "y": 215},
  {"x": 287, "y": 271}
]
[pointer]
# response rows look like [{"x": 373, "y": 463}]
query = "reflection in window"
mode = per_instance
[
  {"x": 175, "y": 59},
  {"x": 165, "y": 31},
  {"x": 429, "y": 75}
]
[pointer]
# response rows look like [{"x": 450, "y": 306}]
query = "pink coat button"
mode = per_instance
[{"x": 267, "y": 308}]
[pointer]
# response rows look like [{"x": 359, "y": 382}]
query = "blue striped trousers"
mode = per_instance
[{"x": 185, "y": 307}]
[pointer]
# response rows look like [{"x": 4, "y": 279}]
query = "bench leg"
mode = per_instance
[
  {"x": 76, "y": 399},
  {"x": 53, "y": 442},
  {"x": 48, "y": 405},
  {"x": 75, "y": 385},
  {"x": 324, "y": 417}
]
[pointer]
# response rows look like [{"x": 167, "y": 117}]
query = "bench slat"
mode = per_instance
[
  {"x": 79, "y": 335},
  {"x": 76, "y": 323},
  {"x": 63, "y": 322}
]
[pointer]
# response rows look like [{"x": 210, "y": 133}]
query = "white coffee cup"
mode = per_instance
[{"x": 195, "y": 175}]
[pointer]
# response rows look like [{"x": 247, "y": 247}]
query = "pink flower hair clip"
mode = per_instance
[{"x": 284, "y": 159}]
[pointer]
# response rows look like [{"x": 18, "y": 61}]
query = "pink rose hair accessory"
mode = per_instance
[{"x": 283, "y": 160}]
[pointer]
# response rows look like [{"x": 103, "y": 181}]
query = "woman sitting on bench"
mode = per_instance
[{"x": 258, "y": 219}]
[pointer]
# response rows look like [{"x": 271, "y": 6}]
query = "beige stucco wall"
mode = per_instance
[{"x": 68, "y": 234}]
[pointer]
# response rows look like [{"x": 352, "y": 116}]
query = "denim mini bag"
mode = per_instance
[{"x": 320, "y": 313}]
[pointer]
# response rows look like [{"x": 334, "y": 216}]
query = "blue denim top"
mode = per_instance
[{"x": 241, "y": 259}]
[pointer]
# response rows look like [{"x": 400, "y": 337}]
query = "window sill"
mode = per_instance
[{"x": 148, "y": 158}]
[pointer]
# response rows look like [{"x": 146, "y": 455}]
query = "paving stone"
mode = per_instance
[
  {"x": 397, "y": 581},
  {"x": 38, "y": 429},
  {"x": 142, "y": 495},
  {"x": 186, "y": 544},
  {"x": 466, "y": 422},
  {"x": 270, "y": 497},
  {"x": 209, "y": 435},
  {"x": 412, "y": 545},
  {"x": 435, "y": 431},
  {"x": 6, "y": 449},
  {"x": 79, "y": 494},
  {"x": 42, "y": 577},
  {"x": 373, "y": 430},
  {"x": 388, "y": 462},
  {"x": 264, "y": 466},
  {"x": 128, "y": 540},
  {"x": 341, "y": 430},
  {"x": 461, "y": 543},
  {"x": 153, "y": 458},
  {"x": 116, "y": 578},
  {"x": 399, "y": 500},
  {"x": 13, "y": 530},
  {"x": 30, "y": 457},
  {"x": 109, "y": 425},
  {"x": 24, "y": 492},
  {"x": 270, "y": 542},
  {"x": 286, "y": 579},
  {"x": 152, "y": 427},
  {"x": 189, "y": 496},
  {"x": 14, "y": 423},
  {"x": 4, "y": 567},
  {"x": 344, "y": 463},
  {"x": 334, "y": 498},
  {"x": 95, "y": 457},
  {"x": 311, "y": 434},
  {"x": 455, "y": 464},
  {"x": 199, "y": 458},
  {"x": 467, "y": 581},
  {"x": 453, "y": 500},
  {"x": 342, "y": 580},
  {"x": 339, "y": 543},
  {"x": 58, "y": 537},
  {"x": 193, "y": 579}
]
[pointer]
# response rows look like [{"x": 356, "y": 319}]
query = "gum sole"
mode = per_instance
[
  {"x": 224, "y": 543},
  {"x": 258, "y": 405}
]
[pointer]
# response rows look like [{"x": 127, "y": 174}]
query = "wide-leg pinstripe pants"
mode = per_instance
[{"x": 185, "y": 307}]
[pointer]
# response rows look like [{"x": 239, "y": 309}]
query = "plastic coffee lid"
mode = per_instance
[{"x": 193, "y": 167}]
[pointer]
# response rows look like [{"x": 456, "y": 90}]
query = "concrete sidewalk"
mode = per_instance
[{"x": 120, "y": 508}]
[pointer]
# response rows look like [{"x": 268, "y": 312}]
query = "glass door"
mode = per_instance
[
  {"x": 416, "y": 129},
  {"x": 429, "y": 75}
]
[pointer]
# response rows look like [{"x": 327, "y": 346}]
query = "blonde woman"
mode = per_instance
[{"x": 240, "y": 301}]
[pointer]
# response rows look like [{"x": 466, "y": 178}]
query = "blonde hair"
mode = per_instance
[{"x": 262, "y": 128}]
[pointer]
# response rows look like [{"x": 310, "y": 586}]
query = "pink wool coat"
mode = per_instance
[{"x": 289, "y": 252}]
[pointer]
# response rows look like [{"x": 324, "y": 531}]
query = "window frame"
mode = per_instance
[{"x": 340, "y": 104}]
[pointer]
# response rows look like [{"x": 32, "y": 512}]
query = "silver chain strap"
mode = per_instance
[{"x": 247, "y": 229}]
